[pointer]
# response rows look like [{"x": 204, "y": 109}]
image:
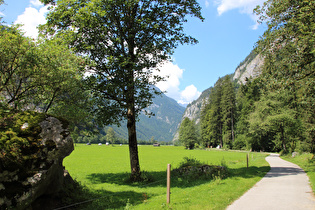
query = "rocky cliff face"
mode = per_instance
[
  {"x": 249, "y": 68},
  {"x": 193, "y": 109}
]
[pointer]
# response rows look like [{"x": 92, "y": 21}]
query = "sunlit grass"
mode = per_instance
[{"x": 104, "y": 170}]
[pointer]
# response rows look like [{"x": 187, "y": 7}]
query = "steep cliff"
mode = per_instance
[
  {"x": 249, "y": 68},
  {"x": 194, "y": 108}
]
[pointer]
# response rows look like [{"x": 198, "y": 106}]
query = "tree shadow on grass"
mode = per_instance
[
  {"x": 117, "y": 200},
  {"x": 84, "y": 198},
  {"x": 250, "y": 172},
  {"x": 151, "y": 179},
  {"x": 158, "y": 178}
]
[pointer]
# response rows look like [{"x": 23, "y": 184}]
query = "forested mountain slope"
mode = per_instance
[
  {"x": 272, "y": 110},
  {"x": 249, "y": 68}
]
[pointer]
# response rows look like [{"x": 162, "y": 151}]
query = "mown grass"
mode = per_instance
[
  {"x": 307, "y": 162},
  {"x": 104, "y": 170}
]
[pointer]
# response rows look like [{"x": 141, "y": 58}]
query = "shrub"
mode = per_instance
[{"x": 191, "y": 168}]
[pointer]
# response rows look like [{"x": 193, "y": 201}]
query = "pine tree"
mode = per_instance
[
  {"x": 211, "y": 124},
  {"x": 228, "y": 111},
  {"x": 247, "y": 95}
]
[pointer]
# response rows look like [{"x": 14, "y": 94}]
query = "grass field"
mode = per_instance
[{"x": 104, "y": 171}]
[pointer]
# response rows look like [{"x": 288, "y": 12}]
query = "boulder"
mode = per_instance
[{"x": 37, "y": 170}]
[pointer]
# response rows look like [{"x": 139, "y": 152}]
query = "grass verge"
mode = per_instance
[{"x": 307, "y": 162}]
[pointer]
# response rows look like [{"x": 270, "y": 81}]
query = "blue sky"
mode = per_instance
[{"x": 226, "y": 37}]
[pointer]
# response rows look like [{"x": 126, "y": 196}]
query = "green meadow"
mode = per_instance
[{"x": 104, "y": 170}]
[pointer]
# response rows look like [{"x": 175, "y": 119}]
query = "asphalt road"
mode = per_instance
[{"x": 285, "y": 186}]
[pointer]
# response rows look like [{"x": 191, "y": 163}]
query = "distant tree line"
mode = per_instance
[{"x": 276, "y": 111}]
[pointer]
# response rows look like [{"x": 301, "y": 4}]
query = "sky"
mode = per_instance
[{"x": 226, "y": 36}]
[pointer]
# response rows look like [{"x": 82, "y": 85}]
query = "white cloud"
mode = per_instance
[
  {"x": 189, "y": 94},
  {"x": 36, "y": 3},
  {"x": 171, "y": 85},
  {"x": 31, "y": 18},
  {"x": 244, "y": 7}
]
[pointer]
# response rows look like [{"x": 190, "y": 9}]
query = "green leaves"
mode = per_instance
[
  {"x": 125, "y": 40},
  {"x": 188, "y": 134},
  {"x": 288, "y": 46},
  {"x": 218, "y": 115}
]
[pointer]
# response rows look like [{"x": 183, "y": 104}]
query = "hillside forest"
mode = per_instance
[{"x": 275, "y": 111}]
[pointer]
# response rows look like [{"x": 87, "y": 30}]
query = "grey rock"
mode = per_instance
[{"x": 45, "y": 175}]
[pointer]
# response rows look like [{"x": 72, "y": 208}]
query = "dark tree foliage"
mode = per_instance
[
  {"x": 125, "y": 40},
  {"x": 228, "y": 111},
  {"x": 211, "y": 117},
  {"x": 247, "y": 95},
  {"x": 218, "y": 115},
  {"x": 288, "y": 46},
  {"x": 188, "y": 134}
]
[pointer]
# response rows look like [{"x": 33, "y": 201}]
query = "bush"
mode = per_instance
[
  {"x": 191, "y": 168},
  {"x": 19, "y": 142},
  {"x": 240, "y": 143}
]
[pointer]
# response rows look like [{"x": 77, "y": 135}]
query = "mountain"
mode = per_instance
[
  {"x": 162, "y": 126},
  {"x": 249, "y": 68},
  {"x": 194, "y": 108}
]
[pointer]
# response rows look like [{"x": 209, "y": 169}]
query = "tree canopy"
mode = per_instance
[
  {"x": 125, "y": 41},
  {"x": 188, "y": 134},
  {"x": 288, "y": 46}
]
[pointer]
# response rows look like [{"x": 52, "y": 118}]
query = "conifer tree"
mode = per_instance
[
  {"x": 228, "y": 111},
  {"x": 211, "y": 124}
]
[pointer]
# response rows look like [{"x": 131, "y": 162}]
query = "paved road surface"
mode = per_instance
[{"x": 285, "y": 186}]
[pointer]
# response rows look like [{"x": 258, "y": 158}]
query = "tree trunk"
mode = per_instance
[
  {"x": 232, "y": 126},
  {"x": 221, "y": 140},
  {"x": 133, "y": 145}
]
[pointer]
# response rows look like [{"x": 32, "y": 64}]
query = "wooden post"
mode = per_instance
[
  {"x": 247, "y": 159},
  {"x": 168, "y": 195}
]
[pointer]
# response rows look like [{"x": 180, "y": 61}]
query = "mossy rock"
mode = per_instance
[{"x": 32, "y": 147}]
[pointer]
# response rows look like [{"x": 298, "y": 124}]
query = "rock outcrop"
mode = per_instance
[
  {"x": 250, "y": 68},
  {"x": 37, "y": 169}
]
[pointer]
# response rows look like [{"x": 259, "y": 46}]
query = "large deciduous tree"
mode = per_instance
[
  {"x": 125, "y": 40},
  {"x": 188, "y": 134},
  {"x": 41, "y": 75}
]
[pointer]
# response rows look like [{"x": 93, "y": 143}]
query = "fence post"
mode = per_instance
[
  {"x": 247, "y": 159},
  {"x": 168, "y": 195}
]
